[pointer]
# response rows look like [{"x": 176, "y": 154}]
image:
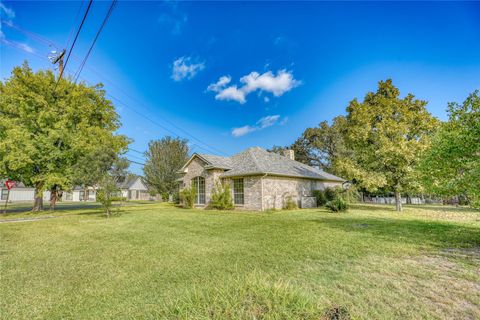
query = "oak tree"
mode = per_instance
[
  {"x": 386, "y": 134},
  {"x": 46, "y": 126}
]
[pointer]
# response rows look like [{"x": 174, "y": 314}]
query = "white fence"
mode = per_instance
[{"x": 391, "y": 200}]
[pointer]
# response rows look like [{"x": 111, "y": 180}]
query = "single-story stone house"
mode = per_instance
[{"x": 260, "y": 180}]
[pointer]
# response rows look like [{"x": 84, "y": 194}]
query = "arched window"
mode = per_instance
[{"x": 199, "y": 184}]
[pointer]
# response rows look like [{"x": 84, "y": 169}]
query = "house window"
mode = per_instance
[
  {"x": 4, "y": 194},
  {"x": 238, "y": 195},
  {"x": 199, "y": 184}
]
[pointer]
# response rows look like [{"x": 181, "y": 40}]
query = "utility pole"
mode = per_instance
[{"x": 59, "y": 59}]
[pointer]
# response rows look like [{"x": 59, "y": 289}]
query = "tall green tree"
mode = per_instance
[
  {"x": 90, "y": 169},
  {"x": 45, "y": 128},
  {"x": 302, "y": 150},
  {"x": 386, "y": 134},
  {"x": 326, "y": 143},
  {"x": 452, "y": 165},
  {"x": 320, "y": 146},
  {"x": 163, "y": 160}
]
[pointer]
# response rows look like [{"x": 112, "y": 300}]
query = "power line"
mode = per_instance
[
  {"x": 136, "y": 157},
  {"x": 149, "y": 119},
  {"x": 109, "y": 13},
  {"x": 142, "y": 153},
  {"x": 216, "y": 150},
  {"x": 73, "y": 26},
  {"x": 142, "y": 164},
  {"x": 31, "y": 34},
  {"x": 74, "y": 41},
  {"x": 21, "y": 47}
]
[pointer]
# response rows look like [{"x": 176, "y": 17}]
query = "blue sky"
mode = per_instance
[{"x": 241, "y": 74}]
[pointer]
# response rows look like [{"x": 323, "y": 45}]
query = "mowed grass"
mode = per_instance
[{"x": 155, "y": 261}]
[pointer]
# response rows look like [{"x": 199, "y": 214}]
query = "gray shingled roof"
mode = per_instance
[
  {"x": 256, "y": 160},
  {"x": 129, "y": 181},
  {"x": 217, "y": 161}
]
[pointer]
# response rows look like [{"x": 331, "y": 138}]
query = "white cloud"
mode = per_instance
[
  {"x": 268, "y": 121},
  {"x": 6, "y": 15},
  {"x": 221, "y": 83},
  {"x": 261, "y": 124},
  {"x": 184, "y": 68},
  {"x": 25, "y": 47},
  {"x": 238, "y": 132},
  {"x": 277, "y": 85},
  {"x": 231, "y": 93},
  {"x": 8, "y": 12},
  {"x": 172, "y": 18}
]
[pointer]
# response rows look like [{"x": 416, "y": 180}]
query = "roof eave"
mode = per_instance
[{"x": 226, "y": 175}]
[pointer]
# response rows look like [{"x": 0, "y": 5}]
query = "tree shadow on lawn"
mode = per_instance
[
  {"x": 434, "y": 233},
  {"x": 423, "y": 207}
]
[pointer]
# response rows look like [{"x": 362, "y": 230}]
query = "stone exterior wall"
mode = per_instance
[
  {"x": 252, "y": 189},
  {"x": 277, "y": 189},
  {"x": 196, "y": 168}
]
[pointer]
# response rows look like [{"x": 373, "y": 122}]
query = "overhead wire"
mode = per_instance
[
  {"x": 74, "y": 41},
  {"x": 109, "y": 13},
  {"x": 70, "y": 34},
  {"x": 208, "y": 148}
]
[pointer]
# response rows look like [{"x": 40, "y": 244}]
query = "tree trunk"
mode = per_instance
[
  {"x": 38, "y": 204},
  {"x": 53, "y": 198},
  {"x": 398, "y": 201},
  {"x": 85, "y": 196}
]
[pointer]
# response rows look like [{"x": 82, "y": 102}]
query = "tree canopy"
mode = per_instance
[
  {"x": 46, "y": 128},
  {"x": 163, "y": 160},
  {"x": 386, "y": 135},
  {"x": 452, "y": 165}
]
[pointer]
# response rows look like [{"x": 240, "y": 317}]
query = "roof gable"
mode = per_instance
[{"x": 211, "y": 162}]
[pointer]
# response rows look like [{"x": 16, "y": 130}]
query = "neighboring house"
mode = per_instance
[
  {"x": 79, "y": 194},
  {"x": 17, "y": 194},
  {"x": 259, "y": 179},
  {"x": 132, "y": 188}
]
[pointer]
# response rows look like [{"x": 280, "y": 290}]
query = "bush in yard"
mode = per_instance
[
  {"x": 337, "y": 205},
  {"x": 176, "y": 197},
  {"x": 320, "y": 196},
  {"x": 187, "y": 197},
  {"x": 331, "y": 193},
  {"x": 221, "y": 197},
  {"x": 106, "y": 194},
  {"x": 290, "y": 204}
]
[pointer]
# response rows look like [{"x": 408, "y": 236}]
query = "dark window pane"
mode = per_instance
[
  {"x": 199, "y": 184},
  {"x": 238, "y": 194}
]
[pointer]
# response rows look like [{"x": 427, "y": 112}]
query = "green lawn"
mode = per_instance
[{"x": 156, "y": 261}]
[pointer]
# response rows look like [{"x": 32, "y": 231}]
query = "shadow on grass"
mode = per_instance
[
  {"x": 438, "y": 234},
  {"x": 27, "y": 208},
  {"x": 424, "y": 207},
  {"x": 445, "y": 208}
]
